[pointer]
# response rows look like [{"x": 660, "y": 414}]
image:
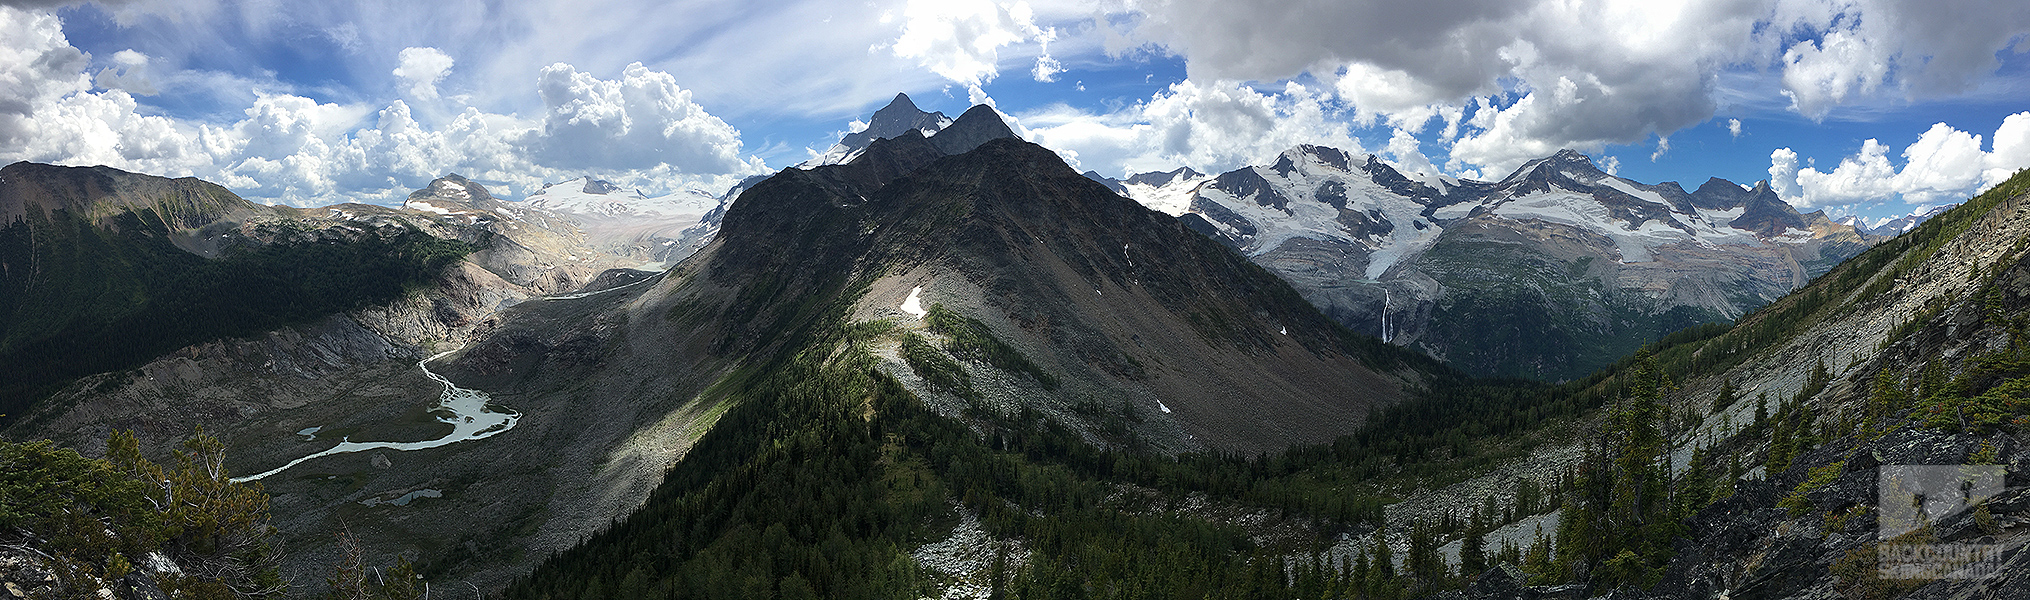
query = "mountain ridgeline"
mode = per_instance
[
  {"x": 850, "y": 425},
  {"x": 1550, "y": 273},
  {"x": 942, "y": 363},
  {"x": 1086, "y": 335},
  {"x": 102, "y": 270}
]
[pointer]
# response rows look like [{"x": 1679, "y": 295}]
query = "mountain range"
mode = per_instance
[
  {"x": 1549, "y": 273},
  {"x": 1892, "y": 227},
  {"x": 947, "y": 364}
]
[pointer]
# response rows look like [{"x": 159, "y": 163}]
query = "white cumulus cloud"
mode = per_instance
[
  {"x": 1212, "y": 128},
  {"x": 640, "y": 130},
  {"x": 1584, "y": 74},
  {"x": 639, "y": 120},
  {"x": 960, "y": 40},
  {"x": 1944, "y": 165},
  {"x": 422, "y": 68}
]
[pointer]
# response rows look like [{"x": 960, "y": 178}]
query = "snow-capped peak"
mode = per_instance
[{"x": 1168, "y": 193}]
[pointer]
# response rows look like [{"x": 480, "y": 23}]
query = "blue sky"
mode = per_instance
[{"x": 313, "y": 103}]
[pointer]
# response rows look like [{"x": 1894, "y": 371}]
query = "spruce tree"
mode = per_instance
[
  {"x": 1883, "y": 403},
  {"x": 1473, "y": 547},
  {"x": 1761, "y": 410},
  {"x": 1782, "y": 443},
  {"x": 1622, "y": 507},
  {"x": 1424, "y": 562},
  {"x": 1727, "y": 396}
]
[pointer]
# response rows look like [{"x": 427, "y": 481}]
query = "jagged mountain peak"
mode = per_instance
[
  {"x": 885, "y": 159},
  {"x": 1716, "y": 184},
  {"x": 1719, "y": 194},
  {"x": 900, "y": 105},
  {"x": 1310, "y": 154},
  {"x": 1766, "y": 214},
  {"x": 899, "y": 116},
  {"x": 1565, "y": 164}
]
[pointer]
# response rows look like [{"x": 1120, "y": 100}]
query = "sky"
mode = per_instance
[{"x": 1868, "y": 107}]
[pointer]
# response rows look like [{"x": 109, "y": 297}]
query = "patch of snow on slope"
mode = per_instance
[
  {"x": 914, "y": 305},
  {"x": 1626, "y": 188},
  {"x": 1172, "y": 198},
  {"x": 1713, "y": 229},
  {"x": 432, "y": 208},
  {"x": 1455, "y": 211},
  {"x": 1580, "y": 210},
  {"x": 1399, "y": 246}
]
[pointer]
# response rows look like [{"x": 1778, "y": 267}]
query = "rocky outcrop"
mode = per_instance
[{"x": 26, "y": 572}]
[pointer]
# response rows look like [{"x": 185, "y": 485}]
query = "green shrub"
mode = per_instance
[
  {"x": 1799, "y": 500},
  {"x": 93, "y": 513}
]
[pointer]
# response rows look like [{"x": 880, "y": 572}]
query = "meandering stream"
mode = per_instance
[{"x": 469, "y": 419}]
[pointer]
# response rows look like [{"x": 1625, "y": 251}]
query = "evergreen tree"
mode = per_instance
[
  {"x": 1727, "y": 396},
  {"x": 1539, "y": 564},
  {"x": 1381, "y": 573},
  {"x": 1761, "y": 410},
  {"x": 1473, "y": 547},
  {"x": 1621, "y": 511},
  {"x": 1424, "y": 563},
  {"x": 1932, "y": 385},
  {"x": 1782, "y": 442},
  {"x": 1695, "y": 488},
  {"x": 1360, "y": 573},
  {"x": 1883, "y": 402}
]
